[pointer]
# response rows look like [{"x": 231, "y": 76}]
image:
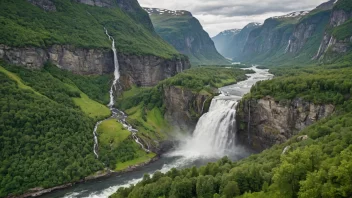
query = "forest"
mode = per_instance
[{"x": 320, "y": 166}]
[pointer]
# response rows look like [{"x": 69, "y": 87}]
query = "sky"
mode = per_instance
[{"x": 219, "y": 15}]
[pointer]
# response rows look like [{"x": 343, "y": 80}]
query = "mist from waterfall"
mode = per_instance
[{"x": 215, "y": 132}]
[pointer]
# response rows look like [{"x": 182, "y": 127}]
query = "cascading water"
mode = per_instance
[
  {"x": 116, "y": 114},
  {"x": 213, "y": 138},
  {"x": 215, "y": 133}
]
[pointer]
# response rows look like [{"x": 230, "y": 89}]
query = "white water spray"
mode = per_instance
[{"x": 288, "y": 46}]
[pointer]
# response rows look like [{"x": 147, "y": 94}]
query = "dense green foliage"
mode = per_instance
[
  {"x": 45, "y": 141},
  {"x": 196, "y": 79},
  {"x": 319, "y": 85},
  {"x": 317, "y": 167},
  {"x": 343, "y": 5},
  {"x": 343, "y": 31},
  {"x": 96, "y": 87},
  {"x": 179, "y": 29},
  {"x": 23, "y": 24}
]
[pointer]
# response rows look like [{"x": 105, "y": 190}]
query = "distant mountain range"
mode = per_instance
[
  {"x": 322, "y": 34},
  {"x": 186, "y": 34}
]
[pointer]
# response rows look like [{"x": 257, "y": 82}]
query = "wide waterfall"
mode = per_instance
[{"x": 215, "y": 132}]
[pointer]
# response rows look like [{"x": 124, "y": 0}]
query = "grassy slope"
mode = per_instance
[
  {"x": 317, "y": 167},
  {"x": 77, "y": 24},
  {"x": 31, "y": 153},
  {"x": 53, "y": 99},
  {"x": 175, "y": 30},
  {"x": 90, "y": 107}
]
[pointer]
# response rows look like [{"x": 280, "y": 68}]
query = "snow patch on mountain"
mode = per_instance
[
  {"x": 158, "y": 11},
  {"x": 292, "y": 15}
]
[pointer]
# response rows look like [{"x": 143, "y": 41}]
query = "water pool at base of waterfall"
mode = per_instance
[{"x": 212, "y": 139}]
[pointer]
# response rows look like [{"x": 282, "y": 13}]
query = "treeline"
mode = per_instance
[{"x": 315, "y": 84}]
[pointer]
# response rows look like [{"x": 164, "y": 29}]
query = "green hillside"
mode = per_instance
[
  {"x": 23, "y": 24},
  {"x": 186, "y": 34},
  {"x": 319, "y": 166}
]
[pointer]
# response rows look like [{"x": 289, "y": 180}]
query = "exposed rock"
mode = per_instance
[
  {"x": 274, "y": 122},
  {"x": 99, "y": 3},
  {"x": 302, "y": 138},
  {"x": 305, "y": 29},
  {"x": 46, "y": 5},
  {"x": 184, "y": 107},
  {"x": 338, "y": 17},
  {"x": 267, "y": 39},
  {"x": 149, "y": 70},
  {"x": 139, "y": 70}
]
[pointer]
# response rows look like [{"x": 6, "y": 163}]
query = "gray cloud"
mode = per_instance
[{"x": 218, "y": 15}]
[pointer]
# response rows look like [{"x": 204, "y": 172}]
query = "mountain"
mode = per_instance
[
  {"x": 234, "y": 46},
  {"x": 71, "y": 34},
  {"x": 221, "y": 40},
  {"x": 186, "y": 34},
  {"x": 338, "y": 34},
  {"x": 56, "y": 68},
  {"x": 301, "y": 37}
]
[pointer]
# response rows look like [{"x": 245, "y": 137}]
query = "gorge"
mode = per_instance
[{"x": 213, "y": 138}]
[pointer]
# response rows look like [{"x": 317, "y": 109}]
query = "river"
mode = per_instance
[{"x": 191, "y": 151}]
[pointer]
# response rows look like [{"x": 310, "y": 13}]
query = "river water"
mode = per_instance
[{"x": 212, "y": 139}]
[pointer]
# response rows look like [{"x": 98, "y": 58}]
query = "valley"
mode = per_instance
[{"x": 120, "y": 98}]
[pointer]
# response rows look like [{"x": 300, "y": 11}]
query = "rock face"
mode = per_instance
[
  {"x": 273, "y": 122},
  {"x": 149, "y": 70},
  {"x": 46, "y": 5},
  {"x": 267, "y": 40},
  {"x": 306, "y": 29},
  {"x": 139, "y": 70},
  {"x": 329, "y": 42},
  {"x": 184, "y": 107},
  {"x": 100, "y": 3}
]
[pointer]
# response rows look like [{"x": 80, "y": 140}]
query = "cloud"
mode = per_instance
[{"x": 219, "y": 15}]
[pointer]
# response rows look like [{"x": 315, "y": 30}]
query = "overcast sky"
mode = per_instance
[{"x": 219, "y": 15}]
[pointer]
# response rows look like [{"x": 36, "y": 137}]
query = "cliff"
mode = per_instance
[
  {"x": 184, "y": 32},
  {"x": 79, "y": 44},
  {"x": 184, "y": 107},
  {"x": 265, "y": 122},
  {"x": 338, "y": 35},
  {"x": 138, "y": 70}
]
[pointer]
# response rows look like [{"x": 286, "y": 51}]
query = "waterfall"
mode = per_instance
[
  {"x": 215, "y": 131},
  {"x": 116, "y": 114},
  {"x": 288, "y": 46},
  {"x": 116, "y": 71}
]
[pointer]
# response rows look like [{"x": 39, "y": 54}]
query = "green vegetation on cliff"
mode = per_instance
[
  {"x": 23, "y": 24},
  {"x": 319, "y": 166},
  {"x": 316, "y": 84},
  {"x": 186, "y": 34}
]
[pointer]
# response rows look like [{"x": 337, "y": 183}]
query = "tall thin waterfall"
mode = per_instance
[
  {"x": 116, "y": 71},
  {"x": 116, "y": 114}
]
